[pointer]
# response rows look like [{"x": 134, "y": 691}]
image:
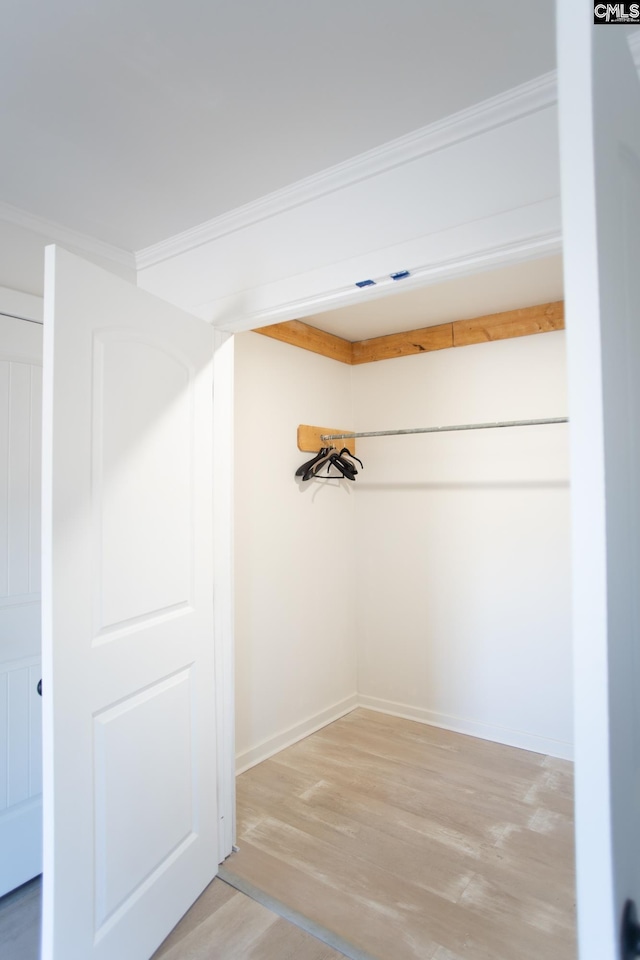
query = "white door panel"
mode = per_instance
[
  {"x": 130, "y": 788},
  {"x": 131, "y": 445},
  {"x": 20, "y": 706},
  {"x": 600, "y": 152}
]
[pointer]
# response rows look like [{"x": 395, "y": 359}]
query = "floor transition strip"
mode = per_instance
[{"x": 293, "y": 916}]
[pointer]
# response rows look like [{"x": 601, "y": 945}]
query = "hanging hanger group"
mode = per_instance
[{"x": 325, "y": 459}]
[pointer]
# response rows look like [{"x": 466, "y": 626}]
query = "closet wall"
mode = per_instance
[
  {"x": 295, "y": 631},
  {"x": 462, "y": 543},
  {"x": 442, "y": 573},
  {"x": 21, "y": 304}
]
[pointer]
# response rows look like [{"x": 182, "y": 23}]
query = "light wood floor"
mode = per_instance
[
  {"x": 226, "y": 925},
  {"x": 408, "y": 842},
  {"x": 20, "y": 922},
  {"x": 222, "y": 925},
  {"x": 413, "y": 842}
]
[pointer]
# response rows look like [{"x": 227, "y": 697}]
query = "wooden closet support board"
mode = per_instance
[
  {"x": 309, "y": 438},
  {"x": 543, "y": 318},
  {"x": 404, "y": 344},
  {"x": 513, "y": 323},
  {"x": 300, "y": 334}
]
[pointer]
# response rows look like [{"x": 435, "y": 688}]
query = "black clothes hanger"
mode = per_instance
[
  {"x": 322, "y": 454},
  {"x": 327, "y": 457},
  {"x": 351, "y": 455},
  {"x": 331, "y": 459},
  {"x": 346, "y": 468}
]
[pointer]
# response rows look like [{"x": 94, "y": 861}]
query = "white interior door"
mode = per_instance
[
  {"x": 599, "y": 98},
  {"x": 130, "y": 826},
  {"x": 20, "y": 706}
]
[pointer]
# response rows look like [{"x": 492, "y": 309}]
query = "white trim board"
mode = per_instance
[
  {"x": 486, "y": 258},
  {"x": 223, "y": 370},
  {"x": 472, "y": 728}
]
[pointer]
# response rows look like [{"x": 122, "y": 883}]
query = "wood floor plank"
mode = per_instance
[
  {"x": 411, "y": 842},
  {"x": 387, "y": 917},
  {"x": 331, "y": 903},
  {"x": 20, "y": 922},
  {"x": 237, "y": 924},
  {"x": 401, "y": 741},
  {"x": 438, "y": 872},
  {"x": 420, "y": 791},
  {"x": 486, "y": 753},
  {"x": 437, "y": 859},
  {"x": 500, "y": 779},
  {"x": 207, "y": 904},
  {"x": 282, "y": 941},
  {"x": 225, "y": 924}
]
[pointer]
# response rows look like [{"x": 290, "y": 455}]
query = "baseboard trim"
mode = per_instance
[
  {"x": 474, "y": 728},
  {"x": 262, "y": 751}
]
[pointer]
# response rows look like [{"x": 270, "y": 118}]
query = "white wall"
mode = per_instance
[
  {"x": 20, "y": 304},
  {"x": 462, "y": 543},
  {"x": 295, "y": 575}
]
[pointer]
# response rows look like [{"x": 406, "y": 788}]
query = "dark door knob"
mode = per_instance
[{"x": 39, "y": 687}]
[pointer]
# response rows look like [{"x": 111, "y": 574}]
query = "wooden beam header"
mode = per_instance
[
  {"x": 300, "y": 334},
  {"x": 513, "y": 323},
  {"x": 543, "y": 318},
  {"x": 403, "y": 344}
]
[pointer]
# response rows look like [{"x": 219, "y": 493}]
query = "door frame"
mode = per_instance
[
  {"x": 223, "y": 585},
  {"x": 223, "y": 419}
]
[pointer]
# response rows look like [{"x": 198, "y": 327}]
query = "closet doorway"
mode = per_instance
[{"x": 433, "y": 589}]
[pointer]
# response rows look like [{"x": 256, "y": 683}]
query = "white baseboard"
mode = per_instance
[
  {"x": 474, "y": 728},
  {"x": 249, "y": 758}
]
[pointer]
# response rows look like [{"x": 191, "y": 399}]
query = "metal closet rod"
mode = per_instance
[
  {"x": 449, "y": 429},
  {"x": 15, "y": 316}
]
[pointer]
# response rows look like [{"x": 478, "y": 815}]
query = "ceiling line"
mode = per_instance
[{"x": 56, "y": 232}]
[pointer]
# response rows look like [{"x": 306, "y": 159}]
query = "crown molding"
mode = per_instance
[
  {"x": 56, "y": 232},
  {"x": 518, "y": 102}
]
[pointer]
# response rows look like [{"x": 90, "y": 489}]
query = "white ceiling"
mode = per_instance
[
  {"x": 133, "y": 121},
  {"x": 508, "y": 288}
]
